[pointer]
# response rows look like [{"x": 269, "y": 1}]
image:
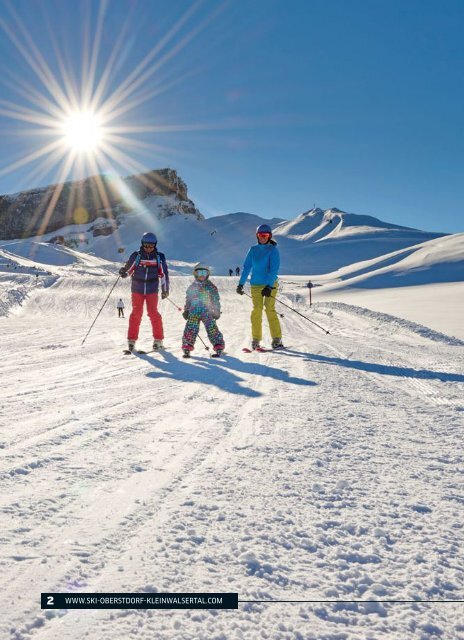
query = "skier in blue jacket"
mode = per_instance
[
  {"x": 263, "y": 261},
  {"x": 148, "y": 268}
]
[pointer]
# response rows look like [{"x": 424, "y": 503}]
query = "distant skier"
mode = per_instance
[
  {"x": 120, "y": 308},
  {"x": 237, "y": 271},
  {"x": 148, "y": 268},
  {"x": 202, "y": 304},
  {"x": 263, "y": 260},
  {"x": 231, "y": 272}
]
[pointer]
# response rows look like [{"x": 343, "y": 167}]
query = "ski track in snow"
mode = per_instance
[{"x": 331, "y": 471}]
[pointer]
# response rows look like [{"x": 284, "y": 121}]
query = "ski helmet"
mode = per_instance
[
  {"x": 264, "y": 228},
  {"x": 149, "y": 238},
  {"x": 201, "y": 269}
]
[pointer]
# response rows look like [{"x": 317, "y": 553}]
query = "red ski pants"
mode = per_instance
[{"x": 151, "y": 300}]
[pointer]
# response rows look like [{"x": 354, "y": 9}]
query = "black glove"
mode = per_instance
[
  {"x": 240, "y": 289},
  {"x": 164, "y": 294},
  {"x": 186, "y": 315},
  {"x": 123, "y": 272},
  {"x": 216, "y": 315},
  {"x": 266, "y": 291}
]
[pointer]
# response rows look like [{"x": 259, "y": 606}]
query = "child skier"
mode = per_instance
[{"x": 202, "y": 305}]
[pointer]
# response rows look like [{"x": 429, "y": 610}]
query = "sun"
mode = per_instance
[{"x": 83, "y": 131}]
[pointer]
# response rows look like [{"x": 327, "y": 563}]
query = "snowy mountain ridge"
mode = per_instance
[{"x": 314, "y": 242}]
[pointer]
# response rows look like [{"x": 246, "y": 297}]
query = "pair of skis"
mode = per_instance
[
  {"x": 213, "y": 355},
  {"x": 262, "y": 349},
  {"x": 128, "y": 352}
]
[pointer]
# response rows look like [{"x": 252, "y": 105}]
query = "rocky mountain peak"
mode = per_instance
[{"x": 46, "y": 209}]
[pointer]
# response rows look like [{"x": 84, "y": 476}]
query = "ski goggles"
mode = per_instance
[
  {"x": 201, "y": 272},
  {"x": 148, "y": 244},
  {"x": 264, "y": 236}
]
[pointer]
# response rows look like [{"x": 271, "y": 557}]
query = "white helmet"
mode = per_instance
[{"x": 201, "y": 269}]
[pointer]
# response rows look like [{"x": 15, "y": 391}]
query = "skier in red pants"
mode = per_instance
[{"x": 148, "y": 268}]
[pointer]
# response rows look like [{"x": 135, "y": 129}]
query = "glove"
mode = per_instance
[
  {"x": 186, "y": 315},
  {"x": 164, "y": 294},
  {"x": 123, "y": 272},
  {"x": 266, "y": 291},
  {"x": 216, "y": 315},
  {"x": 240, "y": 289}
]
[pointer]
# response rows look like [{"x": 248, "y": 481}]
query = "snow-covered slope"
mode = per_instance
[
  {"x": 439, "y": 260},
  {"x": 329, "y": 473}
]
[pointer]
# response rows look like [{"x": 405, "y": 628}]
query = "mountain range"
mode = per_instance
[{"x": 314, "y": 242}]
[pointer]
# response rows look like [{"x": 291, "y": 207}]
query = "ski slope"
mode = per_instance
[{"x": 329, "y": 472}]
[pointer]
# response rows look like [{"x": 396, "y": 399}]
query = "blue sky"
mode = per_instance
[{"x": 263, "y": 106}]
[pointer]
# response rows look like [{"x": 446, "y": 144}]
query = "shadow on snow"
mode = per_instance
[
  {"x": 389, "y": 370},
  {"x": 219, "y": 373}
]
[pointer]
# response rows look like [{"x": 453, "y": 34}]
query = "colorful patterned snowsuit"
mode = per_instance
[{"x": 202, "y": 304}]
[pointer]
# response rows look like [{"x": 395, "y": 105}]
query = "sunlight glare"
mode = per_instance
[{"x": 83, "y": 131}]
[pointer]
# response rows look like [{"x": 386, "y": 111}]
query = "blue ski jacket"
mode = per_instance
[
  {"x": 263, "y": 260},
  {"x": 147, "y": 270}
]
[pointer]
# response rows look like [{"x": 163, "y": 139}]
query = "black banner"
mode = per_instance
[{"x": 81, "y": 600}]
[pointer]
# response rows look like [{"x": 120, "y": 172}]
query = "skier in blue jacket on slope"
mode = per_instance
[{"x": 263, "y": 260}]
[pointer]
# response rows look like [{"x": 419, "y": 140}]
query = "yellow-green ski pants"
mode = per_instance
[{"x": 257, "y": 314}]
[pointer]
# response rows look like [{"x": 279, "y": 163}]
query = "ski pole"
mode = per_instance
[
  {"x": 169, "y": 300},
  {"x": 300, "y": 314},
  {"x": 204, "y": 343},
  {"x": 279, "y": 314},
  {"x": 101, "y": 309},
  {"x": 179, "y": 309}
]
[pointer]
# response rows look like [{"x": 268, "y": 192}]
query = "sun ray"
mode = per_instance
[
  {"x": 32, "y": 94},
  {"x": 143, "y": 77},
  {"x": 69, "y": 82},
  {"x": 119, "y": 94},
  {"x": 110, "y": 64},
  {"x": 22, "y": 113},
  {"x": 36, "y": 61},
  {"x": 34, "y": 155},
  {"x": 162, "y": 87},
  {"x": 89, "y": 86},
  {"x": 54, "y": 159},
  {"x": 65, "y": 171}
]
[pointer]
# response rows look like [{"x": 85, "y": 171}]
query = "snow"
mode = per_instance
[{"x": 329, "y": 472}]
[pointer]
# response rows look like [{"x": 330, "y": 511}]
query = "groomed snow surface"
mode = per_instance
[{"x": 330, "y": 472}]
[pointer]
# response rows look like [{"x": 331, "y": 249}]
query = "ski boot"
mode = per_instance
[
  {"x": 255, "y": 345},
  {"x": 219, "y": 350},
  {"x": 130, "y": 345},
  {"x": 277, "y": 343},
  {"x": 157, "y": 344},
  {"x": 186, "y": 349}
]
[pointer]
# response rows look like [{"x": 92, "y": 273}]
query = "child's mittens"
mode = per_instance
[{"x": 185, "y": 315}]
